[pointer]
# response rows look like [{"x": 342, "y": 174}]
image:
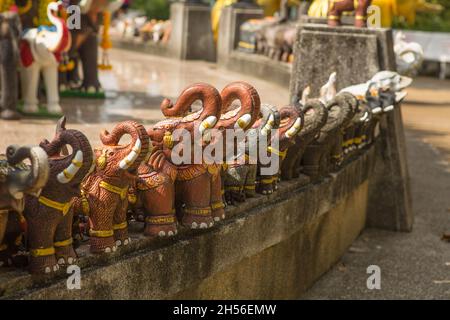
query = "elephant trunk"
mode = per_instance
[
  {"x": 36, "y": 179},
  {"x": 137, "y": 149},
  {"x": 208, "y": 95},
  {"x": 317, "y": 112},
  {"x": 347, "y": 104},
  {"x": 291, "y": 122},
  {"x": 250, "y": 104},
  {"x": 69, "y": 169}
]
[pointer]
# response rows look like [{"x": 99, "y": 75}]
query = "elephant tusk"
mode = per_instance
[
  {"x": 208, "y": 123},
  {"x": 243, "y": 121},
  {"x": 294, "y": 129},
  {"x": 67, "y": 174},
  {"x": 364, "y": 117},
  {"x": 268, "y": 126},
  {"x": 132, "y": 156}
]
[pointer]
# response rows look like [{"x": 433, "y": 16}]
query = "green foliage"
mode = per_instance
[
  {"x": 154, "y": 9},
  {"x": 430, "y": 21}
]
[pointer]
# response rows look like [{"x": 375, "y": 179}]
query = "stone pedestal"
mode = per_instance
[
  {"x": 231, "y": 19},
  {"x": 191, "y": 37},
  {"x": 356, "y": 55}
]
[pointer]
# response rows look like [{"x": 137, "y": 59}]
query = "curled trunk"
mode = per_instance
[
  {"x": 28, "y": 181},
  {"x": 137, "y": 150},
  {"x": 249, "y": 110},
  {"x": 207, "y": 94}
]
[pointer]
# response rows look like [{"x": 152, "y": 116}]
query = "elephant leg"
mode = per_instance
[
  {"x": 65, "y": 254},
  {"x": 41, "y": 228},
  {"x": 102, "y": 208},
  {"x": 288, "y": 165},
  {"x": 120, "y": 225},
  {"x": 234, "y": 184},
  {"x": 311, "y": 161},
  {"x": 12, "y": 251},
  {"x": 197, "y": 204},
  {"x": 361, "y": 13},
  {"x": 265, "y": 185},
  {"x": 9, "y": 81},
  {"x": 160, "y": 220},
  {"x": 337, "y": 153},
  {"x": 30, "y": 84},
  {"x": 217, "y": 204},
  {"x": 250, "y": 181},
  {"x": 50, "y": 74},
  {"x": 89, "y": 59},
  {"x": 3, "y": 246}
]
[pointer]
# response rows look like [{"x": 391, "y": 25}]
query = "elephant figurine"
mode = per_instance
[
  {"x": 240, "y": 178},
  {"x": 162, "y": 180},
  {"x": 338, "y": 7},
  {"x": 105, "y": 191},
  {"x": 40, "y": 51},
  {"x": 291, "y": 122},
  {"x": 316, "y": 115},
  {"x": 17, "y": 180},
  {"x": 325, "y": 151},
  {"x": 85, "y": 45},
  {"x": 239, "y": 120},
  {"x": 10, "y": 30},
  {"x": 49, "y": 217}
]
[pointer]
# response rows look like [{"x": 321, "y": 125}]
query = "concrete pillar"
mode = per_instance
[
  {"x": 356, "y": 55},
  {"x": 191, "y": 37},
  {"x": 231, "y": 19}
]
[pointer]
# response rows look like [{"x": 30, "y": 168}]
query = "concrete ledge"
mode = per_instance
[
  {"x": 157, "y": 49},
  {"x": 259, "y": 66},
  {"x": 268, "y": 247}
]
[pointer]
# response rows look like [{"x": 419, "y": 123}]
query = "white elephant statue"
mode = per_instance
[{"x": 41, "y": 50}]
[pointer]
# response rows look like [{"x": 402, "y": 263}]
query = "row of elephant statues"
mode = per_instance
[
  {"x": 53, "y": 50},
  {"x": 44, "y": 203}
]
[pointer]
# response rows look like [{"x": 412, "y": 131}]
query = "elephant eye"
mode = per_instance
[{"x": 111, "y": 153}]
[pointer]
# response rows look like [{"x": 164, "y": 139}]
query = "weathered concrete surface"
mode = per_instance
[
  {"x": 191, "y": 37},
  {"x": 301, "y": 230},
  {"x": 356, "y": 54}
]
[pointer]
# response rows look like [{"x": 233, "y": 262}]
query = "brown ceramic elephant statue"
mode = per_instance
[
  {"x": 291, "y": 122},
  {"x": 162, "y": 179},
  {"x": 10, "y": 31},
  {"x": 338, "y": 7},
  {"x": 16, "y": 180},
  {"x": 316, "y": 115},
  {"x": 49, "y": 217},
  {"x": 105, "y": 191},
  {"x": 326, "y": 149},
  {"x": 240, "y": 119},
  {"x": 240, "y": 178}
]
